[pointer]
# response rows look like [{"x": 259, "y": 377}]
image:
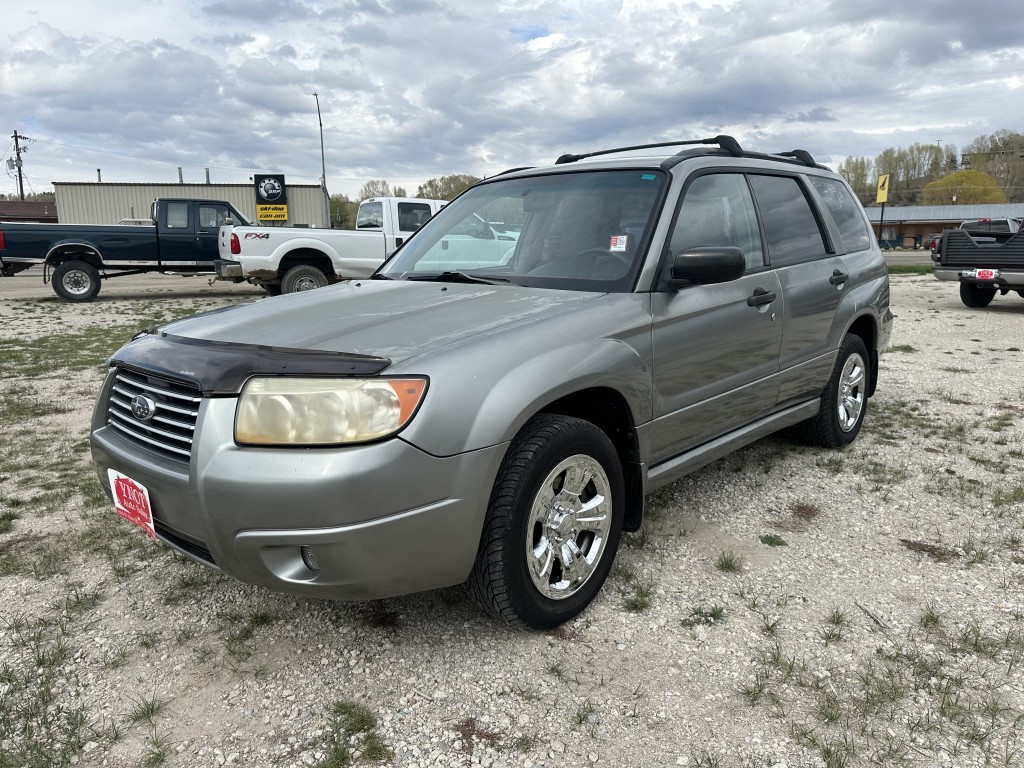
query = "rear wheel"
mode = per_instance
[
  {"x": 76, "y": 280},
  {"x": 844, "y": 402},
  {"x": 553, "y": 524},
  {"x": 303, "y": 277},
  {"x": 975, "y": 296}
]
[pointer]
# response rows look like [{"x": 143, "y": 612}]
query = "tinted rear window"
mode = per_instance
[{"x": 790, "y": 225}]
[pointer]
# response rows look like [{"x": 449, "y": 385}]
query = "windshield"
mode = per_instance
[{"x": 582, "y": 231}]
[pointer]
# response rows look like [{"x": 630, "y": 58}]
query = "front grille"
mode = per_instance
[{"x": 170, "y": 429}]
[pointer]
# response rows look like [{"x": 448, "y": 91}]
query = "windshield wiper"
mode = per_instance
[
  {"x": 379, "y": 276},
  {"x": 458, "y": 277}
]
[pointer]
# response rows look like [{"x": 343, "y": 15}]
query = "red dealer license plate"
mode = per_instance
[
  {"x": 131, "y": 500},
  {"x": 986, "y": 274}
]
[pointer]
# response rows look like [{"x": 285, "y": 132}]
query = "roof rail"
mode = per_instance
[
  {"x": 802, "y": 155},
  {"x": 727, "y": 143},
  {"x": 513, "y": 170}
]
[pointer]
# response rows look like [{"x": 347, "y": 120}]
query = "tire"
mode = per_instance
[
  {"x": 302, "y": 277},
  {"x": 976, "y": 297},
  {"x": 844, "y": 401},
  {"x": 271, "y": 289},
  {"x": 76, "y": 281},
  {"x": 534, "y": 531}
]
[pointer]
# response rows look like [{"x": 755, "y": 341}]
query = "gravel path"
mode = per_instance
[{"x": 784, "y": 606}]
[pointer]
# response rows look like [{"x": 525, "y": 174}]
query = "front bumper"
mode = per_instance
[{"x": 382, "y": 519}]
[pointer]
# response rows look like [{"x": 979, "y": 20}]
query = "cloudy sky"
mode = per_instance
[{"x": 415, "y": 89}]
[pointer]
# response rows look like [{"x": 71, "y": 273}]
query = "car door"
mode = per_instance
[
  {"x": 716, "y": 347},
  {"x": 814, "y": 280},
  {"x": 176, "y": 232},
  {"x": 209, "y": 218}
]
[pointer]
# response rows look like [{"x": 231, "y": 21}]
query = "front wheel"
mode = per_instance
[
  {"x": 76, "y": 280},
  {"x": 302, "y": 277},
  {"x": 844, "y": 402},
  {"x": 553, "y": 524},
  {"x": 975, "y": 296}
]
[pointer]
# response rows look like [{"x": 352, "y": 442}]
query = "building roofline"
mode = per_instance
[{"x": 944, "y": 213}]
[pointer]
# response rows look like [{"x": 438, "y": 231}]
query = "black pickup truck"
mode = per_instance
[
  {"x": 985, "y": 257},
  {"x": 182, "y": 240}
]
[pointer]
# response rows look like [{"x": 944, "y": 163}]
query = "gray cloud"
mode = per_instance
[{"x": 412, "y": 89}]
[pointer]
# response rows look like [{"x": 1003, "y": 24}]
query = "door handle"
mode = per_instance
[
  {"x": 838, "y": 278},
  {"x": 760, "y": 297}
]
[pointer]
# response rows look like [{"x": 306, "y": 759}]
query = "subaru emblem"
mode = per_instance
[{"x": 143, "y": 407}]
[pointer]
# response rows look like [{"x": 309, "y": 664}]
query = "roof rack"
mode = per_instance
[{"x": 727, "y": 143}]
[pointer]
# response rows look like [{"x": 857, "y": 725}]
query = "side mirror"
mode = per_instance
[{"x": 706, "y": 265}]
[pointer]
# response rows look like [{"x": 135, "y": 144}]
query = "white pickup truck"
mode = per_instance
[{"x": 290, "y": 259}]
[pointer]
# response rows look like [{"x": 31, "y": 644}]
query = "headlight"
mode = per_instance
[{"x": 294, "y": 411}]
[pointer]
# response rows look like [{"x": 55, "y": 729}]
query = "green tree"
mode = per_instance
[
  {"x": 964, "y": 188},
  {"x": 445, "y": 187},
  {"x": 343, "y": 212},
  {"x": 859, "y": 174},
  {"x": 1001, "y": 155}
]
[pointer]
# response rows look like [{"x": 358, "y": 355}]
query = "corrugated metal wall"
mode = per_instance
[{"x": 101, "y": 203}]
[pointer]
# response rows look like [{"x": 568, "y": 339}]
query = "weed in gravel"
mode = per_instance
[
  {"x": 471, "y": 732},
  {"x": 931, "y": 619},
  {"x": 353, "y": 737},
  {"x": 901, "y": 348},
  {"x": 882, "y": 476},
  {"x": 703, "y": 615},
  {"x": 145, "y": 710},
  {"x": 729, "y": 562},
  {"x": 832, "y": 630},
  {"x": 831, "y": 462},
  {"x": 638, "y": 596},
  {"x": 772, "y": 540},
  {"x": 1008, "y": 497},
  {"x": 7, "y": 519},
  {"x": 158, "y": 749},
  {"x": 950, "y": 485}
]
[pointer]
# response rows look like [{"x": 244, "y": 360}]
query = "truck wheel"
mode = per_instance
[
  {"x": 975, "y": 296},
  {"x": 272, "y": 289},
  {"x": 553, "y": 524},
  {"x": 76, "y": 280},
  {"x": 844, "y": 402},
  {"x": 302, "y": 277}
]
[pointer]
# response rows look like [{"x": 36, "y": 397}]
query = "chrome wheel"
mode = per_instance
[
  {"x": 568, "y": 528},
  {"x": 76, "y": 283},
  {"x": 850, "y": 402}
]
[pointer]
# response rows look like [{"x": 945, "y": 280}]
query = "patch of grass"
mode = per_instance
[
  {"x": 772, "y": 540},
  {"x": 704, "y": 615},
  {"x": 729, "y": 562},
  {"x": 145, "y": 710},
  {"x": 901, "y": 348},
  {"x": 353, "y": 737},
  {"x": 7, "y": 520},
  {"x": 909, "y": 269}
]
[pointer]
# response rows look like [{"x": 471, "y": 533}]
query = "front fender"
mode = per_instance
[{"x": 482, "y": 393}]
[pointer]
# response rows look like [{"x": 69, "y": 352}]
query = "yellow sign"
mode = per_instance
[
  {"x": 883, "y": 188},
  {"x": 272, "y": 212}
]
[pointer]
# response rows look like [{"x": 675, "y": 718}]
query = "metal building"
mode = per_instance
[{"x": 103, "y": 203}]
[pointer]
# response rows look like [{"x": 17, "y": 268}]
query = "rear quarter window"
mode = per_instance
[{"x": 846, "y": 213}]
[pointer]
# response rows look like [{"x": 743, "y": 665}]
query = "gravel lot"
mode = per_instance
[{"x": 785, "y": 606}]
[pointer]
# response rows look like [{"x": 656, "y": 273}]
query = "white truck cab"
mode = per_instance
[{"x": 290, "y": 259}]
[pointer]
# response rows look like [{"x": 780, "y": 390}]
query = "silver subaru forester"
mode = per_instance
[{"x": 493, "y": 405}]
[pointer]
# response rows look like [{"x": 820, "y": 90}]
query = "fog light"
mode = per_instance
[{"x": 310, "y": 559}]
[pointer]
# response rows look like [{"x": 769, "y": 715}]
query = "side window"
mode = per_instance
[
  {"x": 790, "y": 226},
  {"x": 719, "y": 211},
  {"x": 177, "y": 215},
  {"x": 212, "y": 216},
  {"x": 411, "y": 216},
  {"x": 846, "y": 212}
]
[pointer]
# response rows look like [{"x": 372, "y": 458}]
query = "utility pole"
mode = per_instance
[
  {"x": 18, "y": 149},
  {"x": 323, "y": 166}
]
